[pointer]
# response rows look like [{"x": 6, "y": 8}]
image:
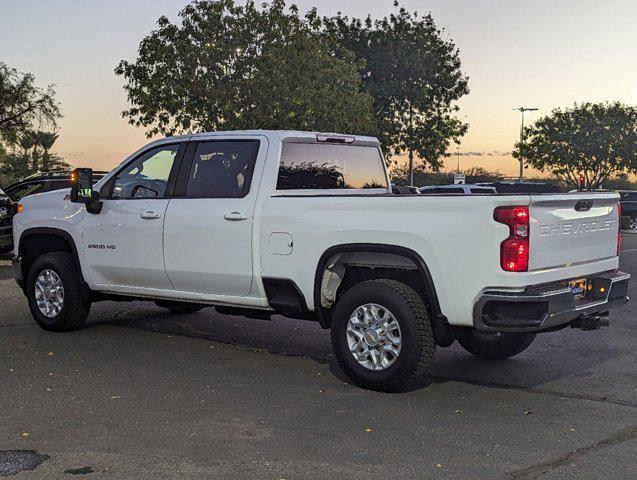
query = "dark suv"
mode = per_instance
[
  {"x": 6, "y": 237},
  {"x": 629, "y": 206},
  {"x": 42, "y": 182},
  {"x": 38, "y": 183}
]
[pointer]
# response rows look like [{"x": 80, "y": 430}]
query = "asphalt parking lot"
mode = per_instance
[{"x": 140, "y": 393}]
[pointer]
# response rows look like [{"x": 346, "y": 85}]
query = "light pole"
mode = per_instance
[
  {"x": 522, "y": 110},
  {"x": 458, "y": 152}
]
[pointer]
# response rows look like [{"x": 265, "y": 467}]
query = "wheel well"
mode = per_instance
[
  {"x": 344, "y": 266},
  {"x": 33, "y": 244}
]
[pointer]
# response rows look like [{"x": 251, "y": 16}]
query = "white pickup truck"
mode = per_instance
[{"x": 257, "y": 223}]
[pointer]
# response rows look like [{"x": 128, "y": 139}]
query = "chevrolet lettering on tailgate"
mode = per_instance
[{"x": 574, "y": 228}]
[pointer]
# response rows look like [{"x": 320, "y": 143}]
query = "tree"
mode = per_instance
[
  {"x": 414, "y": 76},
  {"x": 27, "y": 141},
  {"x": 225, "y": 66},
  {"x": 34, "y": 156},
  {"x": 46, "y": 141},
  {"x": 596, "y": 140},
  {"x": 23, "y": 105}
]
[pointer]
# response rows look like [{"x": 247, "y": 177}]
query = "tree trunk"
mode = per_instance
[
  {"x": 35, "y": 161},
  {"x": 411, "y": 151}
]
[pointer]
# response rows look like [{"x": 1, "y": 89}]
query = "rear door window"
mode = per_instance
[
  {"x": 222, "y": 169},
  {"x": 309, "y": 166}
]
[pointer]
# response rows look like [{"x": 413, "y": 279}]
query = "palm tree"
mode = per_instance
[
  {"x": 27, "y": 141},
  {"x": 46, "y": 141}
]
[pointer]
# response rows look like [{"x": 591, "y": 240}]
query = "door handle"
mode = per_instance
[
  {"x": 235, "y": 216},
  {"x": 150, "y": 215}
]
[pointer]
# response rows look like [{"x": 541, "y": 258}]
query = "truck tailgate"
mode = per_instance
[{"x": 572, "y": 228}]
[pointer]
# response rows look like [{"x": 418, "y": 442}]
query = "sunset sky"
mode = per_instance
[{"x": 538, "y": 53}]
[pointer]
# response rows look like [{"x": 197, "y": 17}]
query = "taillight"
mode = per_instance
[
  {"x": 514, "y": 251},
  {"x": 619, "y": 227}
]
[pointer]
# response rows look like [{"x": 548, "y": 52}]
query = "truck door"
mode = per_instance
[
  {"x": 123, "y": 244},
  {"x": 208, "y": 226}
]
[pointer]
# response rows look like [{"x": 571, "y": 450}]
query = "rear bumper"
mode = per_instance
[{"x": 551, "y": 306}]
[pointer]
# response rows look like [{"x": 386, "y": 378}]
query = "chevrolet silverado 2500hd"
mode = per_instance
[{"x": 305, "y": 225}]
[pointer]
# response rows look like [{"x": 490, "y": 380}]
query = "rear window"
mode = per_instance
[{"x": 308, "y": 166}]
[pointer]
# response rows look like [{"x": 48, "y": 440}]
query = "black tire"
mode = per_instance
[
  {"x": 417, "y": 342},
  {"x": 181, "y": 308},
  {"x": 75, "y": 307},
  {"x": 495, "y": 346}
]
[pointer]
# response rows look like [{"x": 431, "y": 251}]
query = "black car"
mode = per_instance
[
  {"x": 42, "y": 182},
  {"x": 39, "y": 183},
  {"x": 6, "y": 236},
  {"x": 629, "y": 206}
]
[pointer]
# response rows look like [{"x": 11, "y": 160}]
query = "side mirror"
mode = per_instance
[
  {"x": 82, "y": 190},
  {"x": 82, "y": 185}
]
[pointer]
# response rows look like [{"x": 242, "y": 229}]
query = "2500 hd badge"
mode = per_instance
[{"x": 101, "y": 246}]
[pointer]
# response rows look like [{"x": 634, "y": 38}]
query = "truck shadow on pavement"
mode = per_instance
[
  {"x": 559, "y": 355},
  {"x": 566, "y": 359}
]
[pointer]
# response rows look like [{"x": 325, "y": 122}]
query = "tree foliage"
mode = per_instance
[
  {"x": 596, "y": 140},
  {"x": 23, "y": 105},
  {"x": 414, "y": 76},
  {"x": 225, "y": 66},
  {"x": 30, "y": 156}
]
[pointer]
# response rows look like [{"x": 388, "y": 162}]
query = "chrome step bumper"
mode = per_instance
[{"x": 550, "y": 306}]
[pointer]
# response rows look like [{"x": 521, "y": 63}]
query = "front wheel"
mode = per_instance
[
  {"x": 57, "y": 298},
  {"x": 382, "y": 336},
  {"x": 495, "y": 346}
]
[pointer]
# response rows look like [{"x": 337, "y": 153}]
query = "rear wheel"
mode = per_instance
[
  {"x": 495, "y": 346},
  {"x": 381, "y": 335},
  {"x": 57, "y": 298},
  {"x": 179, "y": 307}
]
